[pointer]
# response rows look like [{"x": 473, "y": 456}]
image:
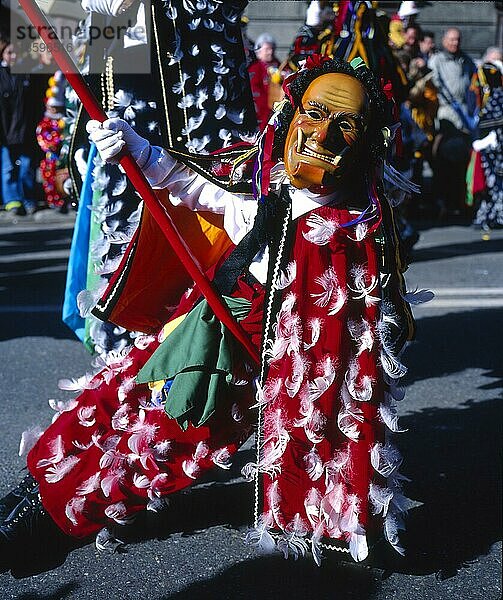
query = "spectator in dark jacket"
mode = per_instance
[{"x": 19, "y": 113}]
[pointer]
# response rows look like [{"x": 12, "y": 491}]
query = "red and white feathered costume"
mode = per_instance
[{"x": 334, "y": 322}]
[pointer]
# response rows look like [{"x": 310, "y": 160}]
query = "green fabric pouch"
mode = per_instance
[{"x": 196, "y": 360}]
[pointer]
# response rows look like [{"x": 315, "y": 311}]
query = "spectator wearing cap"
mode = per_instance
[
  {"x": 315, "y": 36},
  {"x": 408, "y": 12}
]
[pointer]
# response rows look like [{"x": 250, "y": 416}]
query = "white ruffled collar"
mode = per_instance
[{"x": 303, "y": 201}]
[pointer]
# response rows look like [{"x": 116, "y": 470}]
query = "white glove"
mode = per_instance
[
  {"x": 114, "y": 135},
  {"x": 67, "y": 186},
  {"x": 490, "y": 141},
  {"x": 106, "y": 7},
  {"x": 80, "y": 162}
]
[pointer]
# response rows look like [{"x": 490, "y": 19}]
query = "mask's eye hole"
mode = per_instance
[
  {"x": 315, "y": 114},
  {"x": 346, "y": 125}
]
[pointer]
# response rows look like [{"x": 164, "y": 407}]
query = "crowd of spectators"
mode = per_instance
[
  {"x": 446, "y": 132},
  {"x": 443, "y": 113}
]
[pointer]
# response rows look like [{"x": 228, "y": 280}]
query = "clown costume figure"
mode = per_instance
[{"x": 310, "y": 265}]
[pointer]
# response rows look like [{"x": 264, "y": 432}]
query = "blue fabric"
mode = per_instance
[
  {"x": 18, "y": 176},
  {"x": 76, "y": 277}
]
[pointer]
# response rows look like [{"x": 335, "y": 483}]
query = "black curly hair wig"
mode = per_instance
[{"x": 374, "y": 149}]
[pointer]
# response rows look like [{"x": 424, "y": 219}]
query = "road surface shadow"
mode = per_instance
[
  {"x": 36, "y": 240},
  {"x": 456, "y": 250},
  {"x": 273, "y": 578},
  {"x": 453, "y": 342},
  {"x": 41, "y": 324},
  {"x": 453, "y": 460},
  {"x": 65, "y": 591},
  {"x": 33, "y": 282}
]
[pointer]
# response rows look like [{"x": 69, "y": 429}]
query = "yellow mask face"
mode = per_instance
[{"x": 326, "y": 130}]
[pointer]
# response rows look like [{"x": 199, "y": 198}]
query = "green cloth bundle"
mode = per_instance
[{"x": 196, "y": 359}]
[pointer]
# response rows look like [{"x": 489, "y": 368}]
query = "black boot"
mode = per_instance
[
  {"x": 9, "y": 502},
  {"x": 30, "y": 541}
]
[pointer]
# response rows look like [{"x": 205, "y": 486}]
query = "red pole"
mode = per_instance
[{"x": 93, "y": 108}]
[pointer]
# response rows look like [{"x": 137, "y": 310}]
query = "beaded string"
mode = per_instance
[{"x": 107, "y": 85}]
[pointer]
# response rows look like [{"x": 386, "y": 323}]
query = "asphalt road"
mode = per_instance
[{"x": 195, "y": 551}]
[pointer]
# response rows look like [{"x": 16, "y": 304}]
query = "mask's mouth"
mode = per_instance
[
  {"x": 303, "y": 149},
  {"x": 333, "y": 161}
]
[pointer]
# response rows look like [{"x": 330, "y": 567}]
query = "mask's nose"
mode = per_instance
[{"x": 329, "y": 136}]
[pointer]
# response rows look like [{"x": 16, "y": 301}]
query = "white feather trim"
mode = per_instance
[
  {"x": 293, "y": 542},
  {"x": 392, "y": 525},
  {"x": 106, "y": 542},
  {"x": 360, "y": 232},
  {"x": 86, "y": 417},
  {"x": 329, "y": 283},
  {"x": 57, "y": 448},
  {"x": 388, "y": 414},
  {"x": 293, "y": 383},
  {"x": 126, "y": 386},
  {"x": 222, "y": 458},
  {"x": 418, "y": 296},
  {"x": 315, "y": 427},
  {"x": 274, "y": 500},
  {"x": 314, "y": 325},
  {"x": 321, "y": 230},
  {"x": 191, "y": 468},
  {"x": 86, "y": 382},
  {"x": 316, "y": 550},
  {"x": 111, "y": 481},
  {"x": 28, "y": 439},
  {"x": 162, "y": 450},
  {"x": 362, "y": 334},
  {"x": 392, "y": 366},
  {"x": 338, "y": 303},
  {"x": 86, "y": 301},
  {"x": 121, "y": 419},
  {"x": 331, "y": 509},
  {"x": 159, "y": 486},
  {"x": 361, "y": 289},
  {"x": 349, "y": 519},
  {"x": 57, "y": 472},
  {"x": 249, "y": 471},
  {"x": 142, "y": 482},
  {"x": 90, "y": 485},
  {"x": 120, "y": 186},
  {"x": 348, "y": 424},
  {"x": 380, "y": 498},
  {"x": 314, "y": 464},
  {"x": 287, "y": 277},
  {"x": 385, "y": 458},
  {"x": 260, "y": 536},
  {"x": 312, "y": 504},
  {"x": 74, "y": 509},
  {"x": 118, "y": 513},
  {"x": 158, "y": 504},
  {"x": 202, "y": 450},
  {"x": 358, "y": 547}
]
